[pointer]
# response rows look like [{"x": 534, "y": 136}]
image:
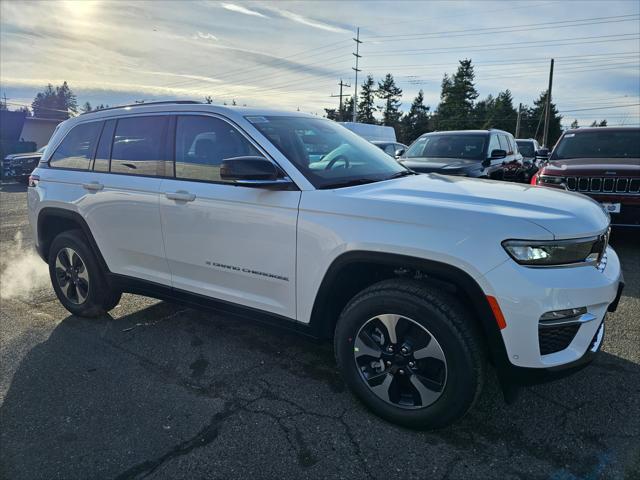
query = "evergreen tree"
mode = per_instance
[
  {"x": 331, "y": 113},
  {"x": 391, "y": 94},
  {"x": 416, "y": 121},
  {"x": 455, "y": 111},
  {"x": 86, "y": 107},
  {"x": 574, "y": 124},
  {"x": 366, "y": 106},
  {"x": 483, "y": 111},
  {"x": 208, "y": 99},
  {"x": 58, "y": 103},
  {"x": 346, "y": 115},
  {"x": 532, "y": 121},
  {"x": 502, "y": 115}
]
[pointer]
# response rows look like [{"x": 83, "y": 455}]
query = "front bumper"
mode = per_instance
[{"x": 525, "y": 294}]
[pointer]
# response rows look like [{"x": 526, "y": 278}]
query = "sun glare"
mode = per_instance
[{"x": 80, "y": 8}]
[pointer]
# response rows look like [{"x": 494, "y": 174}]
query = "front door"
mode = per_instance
[{"x": 232, "y": 243}]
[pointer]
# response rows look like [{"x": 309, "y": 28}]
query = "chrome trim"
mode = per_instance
[
  {"x": 599, "y": 337},
  {"x": 262, "y": 183},
  {"x": 584, "y": 318},
  {"x": 585, "y": 184}
]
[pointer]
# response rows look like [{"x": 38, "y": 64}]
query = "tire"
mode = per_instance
[
  {"x": 447, "y": 376},
  {"x": 77, "y": 278}
]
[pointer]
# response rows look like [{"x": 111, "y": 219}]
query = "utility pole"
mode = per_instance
[
  {"x": 547, "y": 113},
  {"x": 341, "y": 85},
  {"x": 358, "y": 56},
  {"x": 518, "y": 121}
]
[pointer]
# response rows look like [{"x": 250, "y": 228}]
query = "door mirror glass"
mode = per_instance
[
  {"x": 399, "y": 152},
  {"x": 497, "y": 153},
  {"x": 543, "y": 152},
  {"x": 251, "y": 171}
]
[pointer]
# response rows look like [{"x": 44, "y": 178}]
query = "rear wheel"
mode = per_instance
[
  {"x": 77, "y": 277},
  {"x": 410, "y": 353}
]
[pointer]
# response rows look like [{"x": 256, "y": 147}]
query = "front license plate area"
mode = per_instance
[{"x": 612, "y": 207}]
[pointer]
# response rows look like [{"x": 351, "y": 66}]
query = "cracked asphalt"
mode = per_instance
[{"x": 156, "y": 390}]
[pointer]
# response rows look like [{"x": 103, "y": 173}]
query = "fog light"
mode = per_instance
[{"x": 563, "y": 314}]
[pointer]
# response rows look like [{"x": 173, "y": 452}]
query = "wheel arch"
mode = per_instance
[
  {"x": 371, "y": 267},
  {"x": 52, "y": 221}
]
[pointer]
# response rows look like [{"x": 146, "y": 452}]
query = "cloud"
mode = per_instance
[
  {"x": 295, "y": 17},
  {"x": 205, "y": 36},
  {"x": 244, "y": 10}
]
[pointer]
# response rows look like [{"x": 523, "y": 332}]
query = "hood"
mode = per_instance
[
  {"x": 19, "y": 156},
  {"x": 594, "y": 166},
  {"x": 441, "y": 165},
  {"x": 517, "y": 211}
]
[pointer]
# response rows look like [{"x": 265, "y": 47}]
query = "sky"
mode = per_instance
[{"x": 292, "y": 54}]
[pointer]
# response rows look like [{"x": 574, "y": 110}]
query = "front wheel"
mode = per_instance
[{"x": 411, "y": 353}]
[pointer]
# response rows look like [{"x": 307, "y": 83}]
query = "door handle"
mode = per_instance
[
  {"x": 93, "y": 186},
  {"x": 181, "y": 196}
]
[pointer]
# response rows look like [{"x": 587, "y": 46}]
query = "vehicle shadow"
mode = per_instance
[
  {"x": 168, "y": 388},
  {"x": 12, "y": 187}
]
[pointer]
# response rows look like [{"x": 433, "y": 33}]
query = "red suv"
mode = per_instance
[{"x": 603, "y": 163}]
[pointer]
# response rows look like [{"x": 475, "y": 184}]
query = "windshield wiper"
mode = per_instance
[
  {"x": 349, "y": 183},
  {"x": 402, "y": 173}
]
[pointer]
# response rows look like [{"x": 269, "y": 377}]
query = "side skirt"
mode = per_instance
[{"x": 202, "y": 302}]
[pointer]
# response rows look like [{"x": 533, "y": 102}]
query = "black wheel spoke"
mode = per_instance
[{"x": 401, "y": 362}]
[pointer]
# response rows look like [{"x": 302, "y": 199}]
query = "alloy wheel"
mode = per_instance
[
  {"x": 400, "y": 361},
  {"x": 72, "y": 275}
]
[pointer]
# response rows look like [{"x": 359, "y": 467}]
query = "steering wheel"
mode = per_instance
[{"x": 333, "y": 161}]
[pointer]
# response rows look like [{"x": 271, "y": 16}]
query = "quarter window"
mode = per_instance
[
  {"x": 494, "y": 144},
  {"x": 140, "y": 146},
  {"x": 203, "y": 143},
  {"x": 76, "y": 150}
]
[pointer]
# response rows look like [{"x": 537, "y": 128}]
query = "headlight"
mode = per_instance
[
  {"x": 557, "y": 252},
  {"x": 550, "y": 180}
]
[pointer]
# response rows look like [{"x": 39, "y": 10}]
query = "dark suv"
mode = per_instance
[
  {"x": 603, "y": 163},
  {"x": 469, "y": 153}
]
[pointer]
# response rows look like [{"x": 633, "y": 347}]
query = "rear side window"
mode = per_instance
[
  {"x": 103, "y": 153},
  {"x": 140, "y": 146},
  {"x": 76, "y": 150},
  {"x": 506, "y": 144},
  {"x": 202, "y": 143},
  {"x": 494, "y": 144}
]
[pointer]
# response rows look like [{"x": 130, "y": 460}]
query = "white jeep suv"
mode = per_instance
[{"x": 421, "y": 281}]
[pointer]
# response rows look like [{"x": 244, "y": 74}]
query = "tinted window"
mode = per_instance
[
  {"x": 390, "y": 149},
  {"x": 526, "y": 148},
  {"x": 103, "y": 153},
  {"x": 202, "y": 143},
  {"x": 448, "y": 146},
  {"x": 140, "y": 146},
  {"x": 76, "y": 150},
  {"x": 600, "y": 144},
  {"x": 506, "y": 144}
]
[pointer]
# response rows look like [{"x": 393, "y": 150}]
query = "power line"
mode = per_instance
[{"x": 356, "y": 69}]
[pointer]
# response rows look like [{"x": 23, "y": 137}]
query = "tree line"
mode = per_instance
[{"x": 459, "y": 109}]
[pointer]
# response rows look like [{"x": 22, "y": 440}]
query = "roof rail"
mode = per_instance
[{"x": 164, "y": 102}]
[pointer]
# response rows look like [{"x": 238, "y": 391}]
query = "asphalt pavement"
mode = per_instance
[{"x": 157, "y": 390}]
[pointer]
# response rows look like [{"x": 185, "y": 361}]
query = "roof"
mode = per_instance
[
  {"x": 466, "y": 132},
  {"x": 602, "y": 129},
  {"x": 43, "y": 120},
  {"x": 183, "y": 106}
]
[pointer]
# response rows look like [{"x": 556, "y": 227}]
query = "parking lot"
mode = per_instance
[{"x": 157, "y": 390}]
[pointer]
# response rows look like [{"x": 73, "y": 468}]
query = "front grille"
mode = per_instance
[
  {"x": 555, "y": 339},
  {"x": 603, "y": 185}
]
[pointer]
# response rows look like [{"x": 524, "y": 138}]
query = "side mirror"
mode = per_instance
[
  {"x": 399, "y": 152},
  {"x": 497, "y": 153},
  {"x": 543, "y": 152},
  {"x": 252, "y": 172}
]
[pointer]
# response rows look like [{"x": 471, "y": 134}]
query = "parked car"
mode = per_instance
[
  {"x": 20, "y": 165},
  {"x": 468, "y": 153},
  {"x": 421, "y": 281},
  {"x": 395, "y": 149},
  {"x": 532, "y": 155},
  {"x": 603, "y": 163}
]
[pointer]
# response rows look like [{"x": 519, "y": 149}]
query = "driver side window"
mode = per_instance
[
  {"x": 203, "y": 143},
  {"x": 493, "y": 145}
]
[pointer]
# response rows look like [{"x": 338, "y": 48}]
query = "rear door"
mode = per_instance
[
  {"x": 228, "y": 242},
  {"x": 121, "y": 202}
]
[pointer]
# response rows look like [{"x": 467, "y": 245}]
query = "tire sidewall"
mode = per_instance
[
  {"x": 74, "y": 240},
  {"x": 462, "y": 382}
]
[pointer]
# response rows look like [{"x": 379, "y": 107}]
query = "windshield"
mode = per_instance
[
  {"x": 600, "y": 144},
  {"x": 327, "y": 154},
  {"x": 526, "y": 149},
  {"x": 448, "y": 146}
]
